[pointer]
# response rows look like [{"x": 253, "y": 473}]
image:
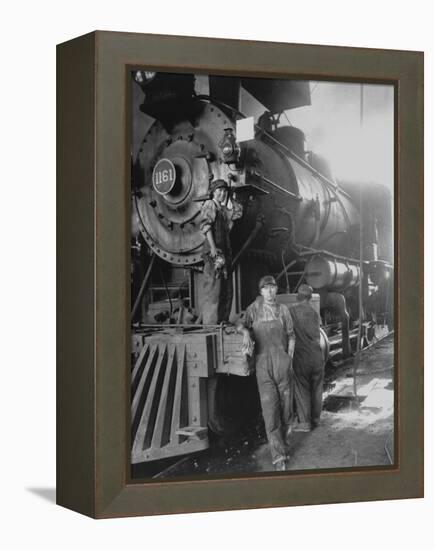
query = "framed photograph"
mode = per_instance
[{"x": 240, "y": 274}]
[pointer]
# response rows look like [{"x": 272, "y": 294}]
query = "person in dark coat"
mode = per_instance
[
  {"x": 267, "y": 329},
  {"x": 215, "y": 224},
  {"x": 308, "y": 361}
]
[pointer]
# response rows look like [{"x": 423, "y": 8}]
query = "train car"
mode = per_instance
[{"x": 299, "y": 223}]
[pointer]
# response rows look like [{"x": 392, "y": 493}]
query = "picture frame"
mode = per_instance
[{"x": 93, "y": 339}]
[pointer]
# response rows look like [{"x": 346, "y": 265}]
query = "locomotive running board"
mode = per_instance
[{"x": 168, "y": 409}]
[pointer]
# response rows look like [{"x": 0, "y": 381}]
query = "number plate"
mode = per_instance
[{"x": 164, "y": 176}]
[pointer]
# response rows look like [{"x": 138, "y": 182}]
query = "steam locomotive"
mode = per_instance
[{"x": 299, "y": 223}]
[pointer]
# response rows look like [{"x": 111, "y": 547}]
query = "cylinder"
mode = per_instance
[{"x": 330, "y": 273}]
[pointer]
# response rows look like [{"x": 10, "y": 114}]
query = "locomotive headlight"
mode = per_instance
[
  {"x": 227, "y": 149},
  {"x": 229, "y": 146}
]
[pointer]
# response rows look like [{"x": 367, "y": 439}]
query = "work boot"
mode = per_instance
[{"x": 280, "y": 465}]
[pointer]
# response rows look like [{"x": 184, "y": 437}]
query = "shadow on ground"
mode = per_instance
[{"x": 47, "y": 493}]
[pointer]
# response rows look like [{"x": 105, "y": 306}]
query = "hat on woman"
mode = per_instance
[
  {"x": 267, "y": 280},
  {"x": 304, "y": 292},
  {"x": 218, "y": 184}
]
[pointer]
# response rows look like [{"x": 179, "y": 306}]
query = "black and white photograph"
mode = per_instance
[{"x": 262, "y": 275}]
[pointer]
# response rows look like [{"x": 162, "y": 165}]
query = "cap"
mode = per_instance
[
  {"x": 218, "y": 184},
  {"x": 267, "y": 280},
  {"x": 304, "y": 292}
]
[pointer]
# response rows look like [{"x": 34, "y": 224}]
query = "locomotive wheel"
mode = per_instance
[{"x": 233, "y": 402}]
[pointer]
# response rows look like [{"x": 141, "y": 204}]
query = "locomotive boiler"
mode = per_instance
[{"x": 298, "y": 223}]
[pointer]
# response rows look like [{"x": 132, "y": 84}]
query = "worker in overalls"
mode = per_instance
[
  {"x": 216, "y": 222},
  {"x": 308, "y": 361},
  {"x": 268, "y": 331}
]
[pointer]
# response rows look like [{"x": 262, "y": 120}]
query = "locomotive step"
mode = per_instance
[{"x": 194, "y": 432}]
